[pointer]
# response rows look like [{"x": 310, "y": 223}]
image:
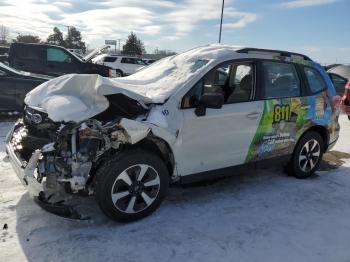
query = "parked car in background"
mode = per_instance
[
  {"x": 4, "y": 50},
  {"x": 197, "y": 115},
  {"x": 4, "y": 54},
  {"x": 54, "y": 60},
  {"x": 14, "y": 85},
  {"x": 340, "y": 76},
  {"x": 123, "y": 65},
  {"x": 327, "y": 67},
  {"x": 148, "y": 61}
]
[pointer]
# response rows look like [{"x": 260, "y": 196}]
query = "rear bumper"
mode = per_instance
[{"x": 25, "y": 173}]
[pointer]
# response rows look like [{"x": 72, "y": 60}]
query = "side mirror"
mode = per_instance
[{"x": 209, "y": 100}]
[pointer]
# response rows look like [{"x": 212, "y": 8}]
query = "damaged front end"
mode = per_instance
[{"x": 56, "y": 160}]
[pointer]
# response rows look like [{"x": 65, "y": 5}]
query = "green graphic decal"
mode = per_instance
[
  {"x": 278, "y": 129},
  {"x": 283, "y": 122}
]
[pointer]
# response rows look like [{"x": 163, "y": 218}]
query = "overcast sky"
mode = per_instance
[{"x": 318, "y": 28}]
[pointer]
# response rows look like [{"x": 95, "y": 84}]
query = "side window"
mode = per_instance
[
  {"x": 213, "y": 82},
  {"x": 57, "y": 55},
  {"x": 241, "y": 83},
  {"x": 109, "y": 59},
  {"x": 126, "y": 60},
  {"x": 234, "y": 80},
  {"x": 314, "y": 79},
  {"x": 339, "y": 83},
  {"x": 280, "y": 80},
  {"x": 30, "y": 53}
]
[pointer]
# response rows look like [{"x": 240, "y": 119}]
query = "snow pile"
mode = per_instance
[{"x": 260, "y": 216}]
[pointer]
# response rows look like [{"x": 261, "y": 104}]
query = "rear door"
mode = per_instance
[
  {"x": 127, "y": 65},
  {"x": 283, "y": 110}
]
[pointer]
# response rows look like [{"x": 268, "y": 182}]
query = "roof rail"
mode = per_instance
[{"x": 282, "y": 53}]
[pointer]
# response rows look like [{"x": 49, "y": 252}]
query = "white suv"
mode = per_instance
[
  {"x": 196, "y": 115},
  {"x": 123, "y": 65}
]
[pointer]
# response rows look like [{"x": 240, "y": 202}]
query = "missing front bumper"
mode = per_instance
[{"x": 53, "y": 202}]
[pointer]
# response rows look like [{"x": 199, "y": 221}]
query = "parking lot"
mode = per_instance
[{"x": 248, "y": 216}]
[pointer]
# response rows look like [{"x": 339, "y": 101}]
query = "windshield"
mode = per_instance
[{"x": 75, "y": 55}]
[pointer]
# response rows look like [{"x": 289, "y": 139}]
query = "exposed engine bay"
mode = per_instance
[{"x": 64, "y": 156}]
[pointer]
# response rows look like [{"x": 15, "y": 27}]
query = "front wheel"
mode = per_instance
[
  {"x": 131, "y": 185},
  {"x": 307, "y": 155}
]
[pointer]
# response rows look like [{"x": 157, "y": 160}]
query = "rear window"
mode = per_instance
[
  {"x": 280, "y": 80},
  {"x": 110, "y": 59},
  {"x": 315, "y": 80}
]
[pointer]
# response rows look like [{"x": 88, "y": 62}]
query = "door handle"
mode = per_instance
[{"x": 253, "y": 115}]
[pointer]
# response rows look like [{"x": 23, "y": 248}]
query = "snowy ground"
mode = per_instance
[{"x": 260, "y": 216}]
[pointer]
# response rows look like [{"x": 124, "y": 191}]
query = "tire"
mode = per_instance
[
  {"x": 120, "y": 192},
  {"x": 119, "y": 73},
  {"x": 304, "y": 161}
]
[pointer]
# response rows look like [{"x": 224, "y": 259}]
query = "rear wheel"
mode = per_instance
[
  {"x": 307, "y": 155},
  {"x": 118, "y": 73},
  {"x": 131, "y": 185}
]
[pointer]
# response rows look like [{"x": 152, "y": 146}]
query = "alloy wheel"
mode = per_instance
[
  {"x": 135, "y": 189},
  {"x": 309, "y": 155}
]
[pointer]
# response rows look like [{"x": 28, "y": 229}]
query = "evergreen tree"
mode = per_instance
[{"x": 133, "y": 46}]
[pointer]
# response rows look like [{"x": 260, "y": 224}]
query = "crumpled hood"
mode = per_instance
[{"x": 76, "y": 97}]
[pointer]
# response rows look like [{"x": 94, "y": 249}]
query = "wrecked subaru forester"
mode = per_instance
[{"x": 195, "y": 115}]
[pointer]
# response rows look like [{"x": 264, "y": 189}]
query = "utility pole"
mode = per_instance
[
  {"x": 222, "y": 15},
  {"x": 68, "y": 33},
  {"x": 119, "y": 45}
]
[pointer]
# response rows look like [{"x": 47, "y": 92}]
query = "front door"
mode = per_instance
[
  {"x": 222, "y": 137},
  {"x": 60, "y": 62}
]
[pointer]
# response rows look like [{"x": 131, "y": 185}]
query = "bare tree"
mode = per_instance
[{"x": 4, "y": 33}]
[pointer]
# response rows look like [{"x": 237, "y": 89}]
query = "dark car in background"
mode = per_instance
[
  {"x": 14, "y": 85},
  {"x": 54, "y": 60},
  {"x": 340, "y": 76},
  {"x": 4, "y": 50}
]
